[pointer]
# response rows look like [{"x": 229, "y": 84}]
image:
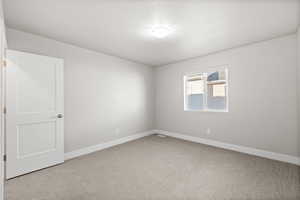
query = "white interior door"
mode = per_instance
[{"x": 34, "y": 102}]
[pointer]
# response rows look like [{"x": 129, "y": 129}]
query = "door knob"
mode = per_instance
[{"x": 60, "y": 116}]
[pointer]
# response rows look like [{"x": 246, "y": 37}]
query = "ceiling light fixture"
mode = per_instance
[{"x": 161, "y": 31}]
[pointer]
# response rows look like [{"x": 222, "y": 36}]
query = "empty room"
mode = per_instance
[{"x": 150, "y": 100}]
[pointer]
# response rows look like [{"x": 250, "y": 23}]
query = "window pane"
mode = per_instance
[
  {"x": 213, "y": 76},
  {"x": 195, "y": 90},
  {"x": 219, "y": 90},
  {"x": 195, "y": 102},
  {"x": 195, "y": 87},
  {"x": 216, "y": 90}
]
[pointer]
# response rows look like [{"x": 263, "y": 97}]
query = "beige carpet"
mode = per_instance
[{"x": 161, "y": 169}]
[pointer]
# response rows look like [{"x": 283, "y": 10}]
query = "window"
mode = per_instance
[{"x": 206, "y": 91}]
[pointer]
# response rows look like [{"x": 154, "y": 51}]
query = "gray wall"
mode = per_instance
[
  {"x": 102, "y": 93},
  {"x": 105, "y": 93},
  {"x": 262, "y": 97}
]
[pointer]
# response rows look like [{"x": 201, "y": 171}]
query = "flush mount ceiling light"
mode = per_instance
[{"x": 161, "y": 31}]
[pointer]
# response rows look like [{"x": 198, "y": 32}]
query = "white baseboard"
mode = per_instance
[
  {"x": 252, "y": 151},
  {"x": 98, "y": 147}
]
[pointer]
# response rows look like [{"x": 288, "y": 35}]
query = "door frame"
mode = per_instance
[{"x": 3, "y": 48}]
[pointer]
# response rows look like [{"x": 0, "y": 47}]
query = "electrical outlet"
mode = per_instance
[{"x": 208, "y": 131}]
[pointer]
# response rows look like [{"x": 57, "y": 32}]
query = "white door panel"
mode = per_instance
[{"x": 35, "y": 136}]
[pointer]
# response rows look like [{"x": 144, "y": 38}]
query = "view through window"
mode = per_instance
[{"x": 207, "y": 91}]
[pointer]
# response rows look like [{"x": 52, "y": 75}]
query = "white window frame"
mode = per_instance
[{"x": 210, "y": 70}]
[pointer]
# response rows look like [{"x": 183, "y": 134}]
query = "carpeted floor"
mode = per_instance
[{"x": 161, "y": 169}]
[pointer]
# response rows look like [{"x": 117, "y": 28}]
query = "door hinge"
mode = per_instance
[
  {"x": 4, "y": 158},
  {"x": 4, "y": 110},
  {"x": 4, "y": 63}
]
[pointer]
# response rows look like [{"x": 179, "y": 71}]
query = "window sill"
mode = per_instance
[{"x": 207, "y": 110}]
